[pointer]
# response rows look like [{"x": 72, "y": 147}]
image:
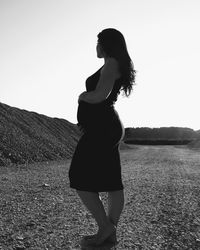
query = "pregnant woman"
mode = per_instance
[{"x": 95, "y": 166}]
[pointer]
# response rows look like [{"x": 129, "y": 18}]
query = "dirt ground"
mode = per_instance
[{"x": 39, "y": 211}]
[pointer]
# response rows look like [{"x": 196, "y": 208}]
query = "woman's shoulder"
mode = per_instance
[{"x": 111, "y": 65}]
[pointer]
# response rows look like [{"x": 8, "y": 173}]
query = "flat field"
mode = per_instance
[{"x": 39, "y": 211}]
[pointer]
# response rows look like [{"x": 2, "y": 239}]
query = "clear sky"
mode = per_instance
[{"x": 48, "y": 49}]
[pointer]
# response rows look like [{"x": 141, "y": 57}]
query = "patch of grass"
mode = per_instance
[{"x": 38, "y": 210}]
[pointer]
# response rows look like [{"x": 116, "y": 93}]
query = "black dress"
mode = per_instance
[{"x": 96, "y": 165}]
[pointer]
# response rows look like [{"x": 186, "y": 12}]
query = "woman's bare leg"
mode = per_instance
[
  {"x": 93, "y": 203},
  {"x": 115, "y": 205}
]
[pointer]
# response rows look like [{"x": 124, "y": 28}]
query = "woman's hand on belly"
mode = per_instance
[{"x": 81, "y": 96}]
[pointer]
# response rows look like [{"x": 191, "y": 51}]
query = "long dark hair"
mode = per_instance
[{"x": 113, "y": 44}]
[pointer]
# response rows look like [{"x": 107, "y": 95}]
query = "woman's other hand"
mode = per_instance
[{"x": 81, "y": 129}]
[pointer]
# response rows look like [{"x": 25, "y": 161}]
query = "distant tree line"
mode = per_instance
[{"x": 162, "y": 135}]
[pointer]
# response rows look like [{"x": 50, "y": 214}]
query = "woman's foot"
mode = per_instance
[
  {"x": 103, "y": 234},
  {"x": 112, "y": 238},
  {"x": 107, "y": 235}
]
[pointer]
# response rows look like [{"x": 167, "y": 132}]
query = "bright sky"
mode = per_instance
[{"x": 48, "y": 49}]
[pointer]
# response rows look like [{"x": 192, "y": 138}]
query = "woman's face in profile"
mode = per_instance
[{"x": 99, "y": 49}]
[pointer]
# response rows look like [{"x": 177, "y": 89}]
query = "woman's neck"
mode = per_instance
[{"x": 106, "y": 58}]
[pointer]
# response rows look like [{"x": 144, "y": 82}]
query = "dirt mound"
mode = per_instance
[{"x": 27, "y": 137}]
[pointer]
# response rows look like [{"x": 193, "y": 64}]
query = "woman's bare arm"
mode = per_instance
[{"x": 105, "y": 84}]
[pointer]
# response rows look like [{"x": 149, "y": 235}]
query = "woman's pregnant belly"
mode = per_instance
[
  {"x": 99, "y": 116},
  {"x": 84, "y": 114}
]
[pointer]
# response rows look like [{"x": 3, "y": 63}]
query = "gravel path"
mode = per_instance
[{"x": 38, "y": 210}]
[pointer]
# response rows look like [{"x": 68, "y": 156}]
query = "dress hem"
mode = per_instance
[{"x": 96, "y": 191}]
